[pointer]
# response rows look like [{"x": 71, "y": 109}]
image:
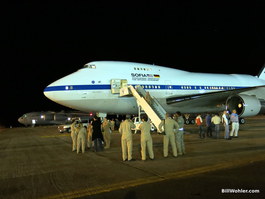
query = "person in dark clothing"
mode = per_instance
[
  {"x": 97, "y": 136},
  {"x": 209, "y": 125}
]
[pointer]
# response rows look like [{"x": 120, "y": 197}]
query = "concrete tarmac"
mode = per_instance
[{"x": 38, "y": 163}]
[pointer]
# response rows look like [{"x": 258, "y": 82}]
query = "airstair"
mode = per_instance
[{"x": 146, "y": 103}]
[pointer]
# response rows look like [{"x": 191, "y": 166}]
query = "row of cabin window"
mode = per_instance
[
  {"x": 208, "y": 87},
  {"x": 150, "y": 86},
  {"x": 190, "y": 87},
  {"x": 145, "y": 69}
]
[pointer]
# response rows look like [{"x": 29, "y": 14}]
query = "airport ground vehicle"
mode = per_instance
[
  {"x": 137, "y": 121},
  {"x": 67, "y": 127},
  {"x": 64, "y": 128}
]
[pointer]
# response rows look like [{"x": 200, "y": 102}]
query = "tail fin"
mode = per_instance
[{"x": 262, "y": 73}]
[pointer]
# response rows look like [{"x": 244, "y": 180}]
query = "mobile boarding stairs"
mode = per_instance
[{"x": 146, "y": 103}]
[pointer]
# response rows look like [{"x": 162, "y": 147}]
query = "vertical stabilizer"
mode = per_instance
[{"x": 262, "y": 73}]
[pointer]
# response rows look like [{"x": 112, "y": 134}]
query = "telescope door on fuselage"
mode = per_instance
[{"x": 117, "y": 84}]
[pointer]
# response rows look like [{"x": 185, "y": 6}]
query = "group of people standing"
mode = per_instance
[
  {"x": 172, "y": 128},
  {"x": 213, "y": 122},
  {"x": 172, "y": 133},
  {"x": 96, "y": 132}
]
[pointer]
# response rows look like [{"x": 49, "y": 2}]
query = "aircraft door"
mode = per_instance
[
  {"x": 117, "y": 84},
  {"x": 124, "y": 83}
]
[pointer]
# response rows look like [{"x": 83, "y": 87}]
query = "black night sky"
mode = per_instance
[{"x": 43, "y": 42}]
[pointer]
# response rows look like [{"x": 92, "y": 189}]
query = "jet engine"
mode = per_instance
[{"x": 245, "y": 105}]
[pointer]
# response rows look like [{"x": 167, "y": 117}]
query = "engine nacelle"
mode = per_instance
[{"x": 245, "y": 105}]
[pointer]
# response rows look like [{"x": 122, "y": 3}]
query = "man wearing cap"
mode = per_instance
[
  {"x": 169, "y": 125},
  {"x": 146, "y": 139},
  {"x": 126, "y": 138},
  {"x": 179, "y": 134}
]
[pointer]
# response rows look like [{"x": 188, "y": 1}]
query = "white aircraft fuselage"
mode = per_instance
[{"x": 95, "y": 87}]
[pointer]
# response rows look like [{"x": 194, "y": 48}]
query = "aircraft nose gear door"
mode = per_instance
[{"x": 117, "y": 84}]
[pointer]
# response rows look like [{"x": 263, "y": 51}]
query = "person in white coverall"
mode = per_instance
[
  {"x": 81, "y": 137},
  {"x": 89, "y": 135},
  {"x": 106, "y": 133},
  {"x": 146, "y": 139},
  {"x": 169, "y": 125},
  {"x": 126, "y": 138},
  {"x": 73, "y": 136}
]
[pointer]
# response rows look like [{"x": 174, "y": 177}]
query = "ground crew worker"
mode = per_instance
[
  {"x": 106, "y": 133},
  {"x": 179, "y": 134},
  {"x": 169, "y": 125},
  {"x": 146, "y": 139},
  {"x": 235, "y": 124},
  {"x": 198, "y": 122},
  {"x": 81, "y": 136},
  {"x": 126, "y": 138},
  {"x": 73, "y": 135},
  {"x": 226, "y": 125},
  {"x": 89, "y": 135},
  {"x": 112, "y": 124},
  {"x": 216, "y": 120}
]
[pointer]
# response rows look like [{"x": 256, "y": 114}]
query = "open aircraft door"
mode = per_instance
[{"x": 117, "y": 84}]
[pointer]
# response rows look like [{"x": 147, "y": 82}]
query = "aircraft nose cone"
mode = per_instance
[
  {"x": 51, "y": 92},
  {"x": 54, "y": 91},
  {"x": 57, "y": 92},
  {"x": 60, "y": 91},
  {"x": 47, "y": 91},
  {"x": 20, "y": 120}
]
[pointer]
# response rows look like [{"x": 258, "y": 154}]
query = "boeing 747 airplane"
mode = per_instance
[{"x": 96, "y": 87}]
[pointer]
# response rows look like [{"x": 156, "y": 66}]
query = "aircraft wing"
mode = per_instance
[{"x": 206, "y": 99}]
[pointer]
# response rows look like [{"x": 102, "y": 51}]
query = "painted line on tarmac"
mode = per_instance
[
  {"x": 154, "y": 179},
  {"x": 54, "y": 136}
]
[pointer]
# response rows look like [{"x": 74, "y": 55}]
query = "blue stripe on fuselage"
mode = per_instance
[
  {"x": 77, "y": 87},
  {"x": 148, "y": 86}
]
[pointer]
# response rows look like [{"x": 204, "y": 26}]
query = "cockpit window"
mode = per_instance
[{"x": 92, "y": 66}]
